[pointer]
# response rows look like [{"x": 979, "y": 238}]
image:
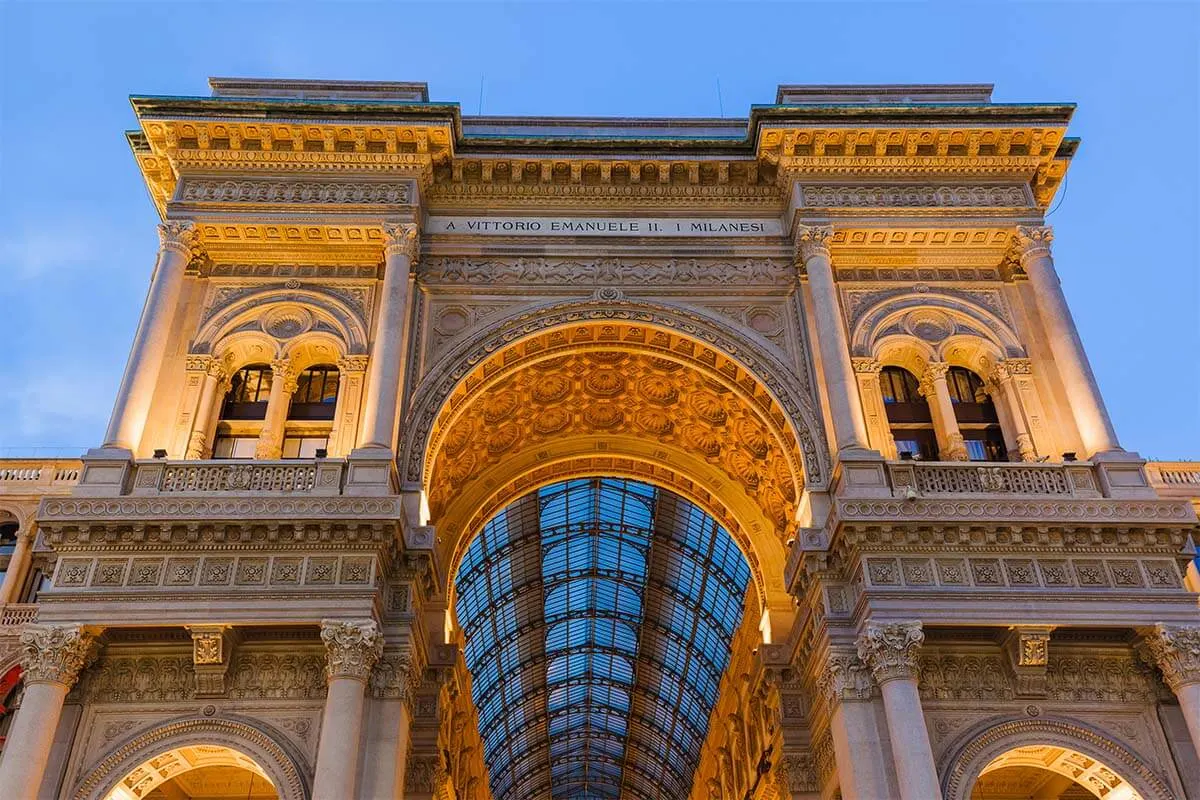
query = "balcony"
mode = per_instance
[
  {"x": 34, "y": 476},
  {"x": 311, "y": 477},
  {"x": 988, "y": 479}
]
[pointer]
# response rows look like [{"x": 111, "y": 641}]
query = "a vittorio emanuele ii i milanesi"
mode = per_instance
[{"x": 515, "y": 458}]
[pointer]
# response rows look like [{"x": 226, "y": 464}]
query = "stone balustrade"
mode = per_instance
[
  {"x": 957, "y": 478},
  {"x": 314, "y": 477},
  {"x": 24, "y": 476},
  {"x": 16, "y": 614},
  {"x": 1176, "y": 479}
]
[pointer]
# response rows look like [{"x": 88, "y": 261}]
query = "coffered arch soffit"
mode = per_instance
[
  {"x": 937, "y": 326},
  {"x": 281, "y": 315},
  {"x": 689, "y": 343},
  {"x": 963, "y": 762}
]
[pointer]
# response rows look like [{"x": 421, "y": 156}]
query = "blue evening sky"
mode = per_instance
[{"x": 77, "y": 238}]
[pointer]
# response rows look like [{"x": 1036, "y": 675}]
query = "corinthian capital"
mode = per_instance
[
  {"x": 401, "y": 239},
  {"x": 351, "y": 647},
  {"x": 55, "y": 653},
  {"x": 843, "y": 677},
  {"x": 812, "y": 240},
  {"x": 180, "y": 236},
  {"x": 1175, "y": 649},
  {"x": 891, "y": 650},
  {"x": 1032, "y": 240}
]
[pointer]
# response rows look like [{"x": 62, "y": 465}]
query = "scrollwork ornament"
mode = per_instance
[
  {"x": 1031, "y": 241},
  {"x": 55, "y": 653},
  {"x": 180, "y": 236},
  {"x": 891, "y": 649},
  {"x": 1175, "y": 649},
  {"x": 353, "y": 363},
  {"x": 813, "y": 240},
  {"x": 352, "y": 648},
  {"x": 401, "y": 239},
  {"x": 867, "y": 366}
]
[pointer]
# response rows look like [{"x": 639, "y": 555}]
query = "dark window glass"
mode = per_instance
[
  {"x": 248, "y": 392},
  {"x": 316, "y": 393},
  {"x": 965, "y": 386},
  {"x": 8, "y": 537},
  {"x": 986, "y": 444},
  {"x": 899, "y": 386}
]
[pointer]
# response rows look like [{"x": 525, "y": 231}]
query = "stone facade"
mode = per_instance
[{"x": 723, "y": 308}]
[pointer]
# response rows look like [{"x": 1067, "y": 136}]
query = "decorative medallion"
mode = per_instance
[
  {"x": 604, "y": 383},
  {"x": 551, "y": 388},
  {"x": 503, "y": 438},
  {"x": 552, "y": 420},
  {"x": 709, "y": 407},
  {"x": 604, "y": 416},
  {"x": 929, "y": 325},
  {"x": 286, "y": 322}
]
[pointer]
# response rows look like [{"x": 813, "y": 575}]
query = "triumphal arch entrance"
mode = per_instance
[{"x": 476, "y": 457}]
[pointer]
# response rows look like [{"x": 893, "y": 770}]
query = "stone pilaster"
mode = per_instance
[
  {"x": 1175, "y": 649},
  {"x": 1028, "y": 651},
  {"x": 212, "y": 651}
]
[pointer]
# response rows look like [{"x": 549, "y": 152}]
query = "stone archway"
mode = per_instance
[
  {"x": 1089, "y": 757},
  {"x": 667, "y": 401},
  {"x": 151, "y": 758}
]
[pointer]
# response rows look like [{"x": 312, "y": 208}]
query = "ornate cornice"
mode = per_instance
[
  {"x": 55, "y": 653},
  {"x": 812, "y": 240},
  {"x": 260, "y": 191},
  {"x": 891, "y": 650},
  {"x": 588, "y": 272},
  {"x": 1176, "y": 651},
  {"x": 352, "y": 648},
  {"x": 401, "y": 239},
  {"x": 905, "y": 196}
]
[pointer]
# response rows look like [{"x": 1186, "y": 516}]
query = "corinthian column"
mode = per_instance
[
  {"x": 1032, "y": 247},
  {"x": 867, "y": 370},
  {"x": 891, "y": 652},
  {"x": 51, "y": 660},
  {"x": 178, "y": 243},
  {"x": 283, "y": 386},
  {"x": 386, "y": 370},
  {"x": 1010, "y": 402},
  {"x": 200, "y": 441},
  {"x": 1175, "y": 649},
  {"x": 850, "y": 431},
  {"x": 352, "y": 648},
  {"x": 951, "y": 446}
]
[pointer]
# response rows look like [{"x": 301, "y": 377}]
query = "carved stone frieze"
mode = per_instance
[
  {"x": 1175, "y": 649},
  {"x": 140, "y": 679},
  {"x": 891, "y": 650},
  {"x": 616, "y": 271},
  {"x": 915, "y": 196},
  {"x": 352, "y": 648},
  {"x": 292, "y": 192},
  {"x": 55, "y": 653},
  {"x": 965, "y": 676},
  {"x": 395, "y": 677}
]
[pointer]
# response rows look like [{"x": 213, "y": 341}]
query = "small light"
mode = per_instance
[
  {"x": 160, "y": 453},
  {"x": 322, "y": 452},
  {"x": 1069, "y": 456}
]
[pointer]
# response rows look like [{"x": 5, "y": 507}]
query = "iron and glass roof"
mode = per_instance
[{"x": 598, "y": 615}]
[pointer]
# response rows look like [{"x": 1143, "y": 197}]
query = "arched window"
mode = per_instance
[
  {"x": 249, "y": 389},
  {"x": 908, "y": 415},
  {"x": 246, "y": 401},
  {"x": 976, "y": 415},
  {"x": 316, "y": 393}
]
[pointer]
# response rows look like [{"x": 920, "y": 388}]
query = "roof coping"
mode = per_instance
[
  {"x": 319, "y": 89},
  {"x": 883, "y": 94}
]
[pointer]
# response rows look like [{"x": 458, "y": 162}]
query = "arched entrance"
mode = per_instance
[
  {"x": 204, "y": 757},
  {"x": 1046, "y": 772},
  {"x": 608, "y": 669},
  {"x": 211, "y": 772},
  {"x": 1046, "y": 759}
]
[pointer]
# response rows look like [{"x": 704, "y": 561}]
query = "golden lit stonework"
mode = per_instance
[{"x": 468, "y": 458}]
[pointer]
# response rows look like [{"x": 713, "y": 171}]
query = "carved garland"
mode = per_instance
[
  {"x": 774, "y": 375},
  {"x": 961, "y": 768},
  {"x": 254, "y": 739}
]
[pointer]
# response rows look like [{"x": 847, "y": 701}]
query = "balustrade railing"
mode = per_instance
[
  {"x": 210, "y": 477},
  {"x": 952, "y": 478},
  {"x": 18, "y": 474},
  {"x": 1174, "y": 473},
  {"x": 15, "y": 614}
]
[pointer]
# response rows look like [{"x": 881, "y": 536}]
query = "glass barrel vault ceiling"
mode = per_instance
[{"x": 598, "y": 615}]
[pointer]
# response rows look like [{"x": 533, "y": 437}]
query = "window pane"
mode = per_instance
[{"x": 977, "y": 450}]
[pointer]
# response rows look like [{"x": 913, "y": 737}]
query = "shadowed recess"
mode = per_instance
[{"x": 598, "y": 615}]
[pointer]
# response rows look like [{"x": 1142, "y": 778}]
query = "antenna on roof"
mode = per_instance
[
  {"x": 480, "y": 111},
  {"x": 720, "y": 101}
]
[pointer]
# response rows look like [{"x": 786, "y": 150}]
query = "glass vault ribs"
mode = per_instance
[{"x": 598, "y": 615}]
